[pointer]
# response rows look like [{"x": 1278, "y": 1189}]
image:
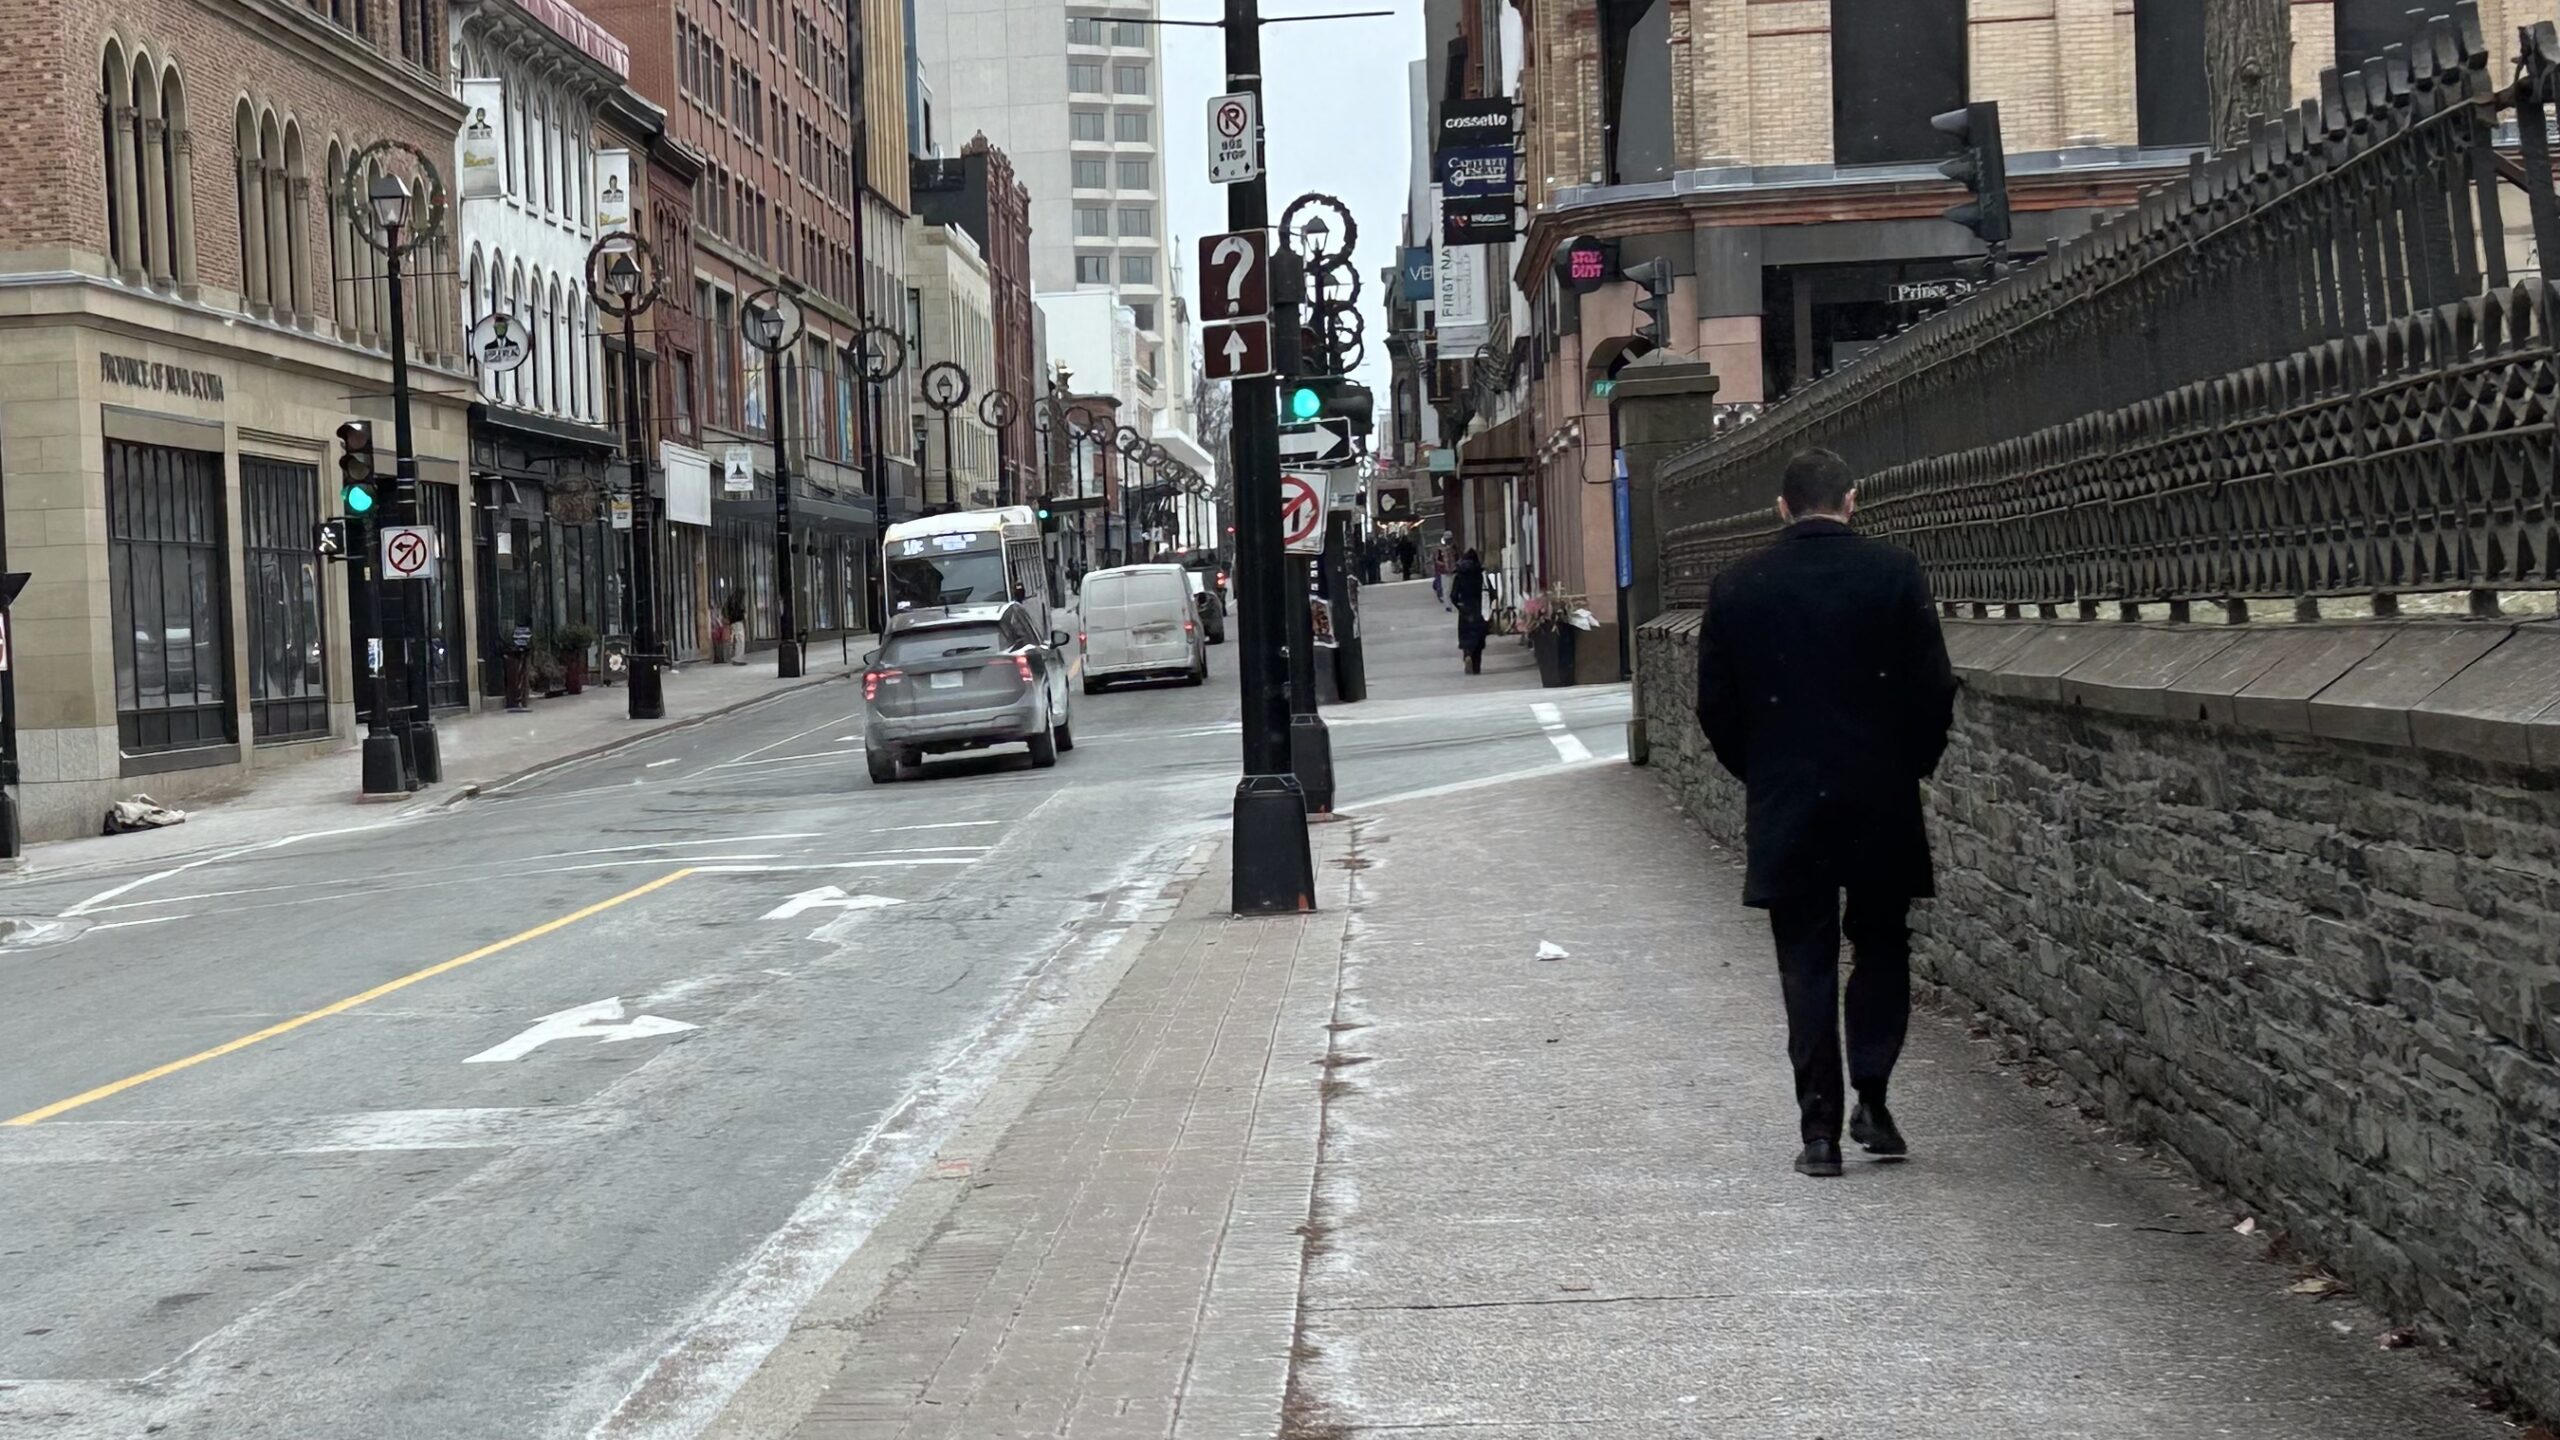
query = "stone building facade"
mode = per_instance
[
  {"x": 978, "y": 193},
  {"x": 188, "y": 320}
]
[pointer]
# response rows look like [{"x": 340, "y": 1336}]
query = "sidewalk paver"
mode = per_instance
[
  {"x": 1125, "y": 1263},
  {"x": 1555, "y": 1197}
]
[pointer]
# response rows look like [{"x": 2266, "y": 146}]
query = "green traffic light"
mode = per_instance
[
  {"x": 359, "y": 499},
  {"x": 1304, "y": 403}
]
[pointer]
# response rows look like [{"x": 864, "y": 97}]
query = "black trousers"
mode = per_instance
[{"x": 1808, "y": 930}]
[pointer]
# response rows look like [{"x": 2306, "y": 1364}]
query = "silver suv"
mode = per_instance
[{"x": 963, "y": 678}]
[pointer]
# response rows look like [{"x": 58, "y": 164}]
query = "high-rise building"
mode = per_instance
[{"x": 1072, "y": 90}]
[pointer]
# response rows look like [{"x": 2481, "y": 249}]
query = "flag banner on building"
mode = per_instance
[
  {"x": 1461, "y": 302},
  {"x": 1416, "y": 273},
  {"x": 481, "y": 154},
  {"x": 613, "y": 191}
]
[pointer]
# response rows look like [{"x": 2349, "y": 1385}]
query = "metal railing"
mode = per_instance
[{"x": 2304, "y": 371}]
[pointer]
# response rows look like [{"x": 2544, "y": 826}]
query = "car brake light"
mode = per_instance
[
  {"x": 873, "y": 679},
  {"x": 1188, "y": 627},
  {"x": 1021, "y": 666}
]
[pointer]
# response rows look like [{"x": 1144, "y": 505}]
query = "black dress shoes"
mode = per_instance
[
  {"x": 1820, "y": 1158},
  {"x": 1871, "y": 1125}
]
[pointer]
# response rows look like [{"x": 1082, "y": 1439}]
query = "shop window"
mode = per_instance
[
  {"x": 1636, "y": 80},
  {"x": 2168, "y": 73},
  {"x": 1894, "y": 63},
  {"x": 168, "y": 597},
  {"x": 288, "y": 672}
]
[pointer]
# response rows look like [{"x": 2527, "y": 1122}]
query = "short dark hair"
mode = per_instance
[{"x": 1818, "y": 482}]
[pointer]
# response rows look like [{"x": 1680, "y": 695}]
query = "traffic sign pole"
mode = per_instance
[{"x": 1273, "y": 869}]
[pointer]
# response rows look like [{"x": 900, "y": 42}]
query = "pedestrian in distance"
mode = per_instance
[
  {"x": 1440, "y": 576},
  {"x": 1467, "y": 593},
  {"x": 1823, "y": 686}
]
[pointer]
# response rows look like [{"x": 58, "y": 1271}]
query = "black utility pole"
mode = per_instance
[
  {"x": 874, "y": 473},
  {"x": 648, "y": 698},
  {"x": 786, "y": 581},
  {"x": 419, "y": 735},
  {"x": 1274, "y": 872}
]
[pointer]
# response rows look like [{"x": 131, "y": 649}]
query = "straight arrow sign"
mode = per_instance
[{"x": 1318, "y": 443}]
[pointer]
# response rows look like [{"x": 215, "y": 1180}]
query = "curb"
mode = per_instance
[{"x": 473, "y": 789}]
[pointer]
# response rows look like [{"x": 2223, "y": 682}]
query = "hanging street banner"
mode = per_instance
[
  {"x": 1474, "y": 122},
  {"x": 480, "y": 156},
  {"x": 1414, "y": 273},
  {"x": 1462, "y": 301},
  {"x": 613, "y": 192},
  {"x": 1478, "y": 171},
  {"x": 1481, "y": 220}
]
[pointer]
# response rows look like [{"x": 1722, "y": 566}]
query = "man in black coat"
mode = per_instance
[{"x": 1823, "y": 685}]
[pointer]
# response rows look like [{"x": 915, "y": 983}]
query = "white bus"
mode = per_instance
[{"x": 970, "y": 557}]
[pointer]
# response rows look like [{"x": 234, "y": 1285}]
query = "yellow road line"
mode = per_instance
[{"x": 342, "y": 1006}]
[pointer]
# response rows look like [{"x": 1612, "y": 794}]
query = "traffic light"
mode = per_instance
[
  {"x": 358, "y": 489},
  {"x": 1981, "y": 166},
  {"x": 1654, "y": 305},
  {"x": 1326, "y": 397},
  {"x": 1048, "y": 517}
]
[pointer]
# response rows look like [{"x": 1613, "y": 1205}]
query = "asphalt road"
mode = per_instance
[{"x": 541, "y": 1116}]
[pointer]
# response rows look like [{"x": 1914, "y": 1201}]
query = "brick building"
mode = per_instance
[
  {"x": 761, "y": 90},
  {"x": 978, "y": 193},
  {"x": 1779, "y": 154},
  {"x": 189, "y": 321}
]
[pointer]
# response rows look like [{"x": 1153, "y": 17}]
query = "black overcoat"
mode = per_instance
[{"x": 1823, "y": 685}]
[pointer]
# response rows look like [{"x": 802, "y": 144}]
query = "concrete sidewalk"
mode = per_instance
[
  {"x": 481, "y": 749},
  {"x": 1555, "y": 1195}
]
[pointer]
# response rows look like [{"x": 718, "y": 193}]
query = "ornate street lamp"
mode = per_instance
[
  {"x": 623, "y": 279},
  {"x": 773, "y": 323}
]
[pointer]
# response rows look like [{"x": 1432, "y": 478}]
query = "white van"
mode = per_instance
[{"x": 1139, "y": 623}]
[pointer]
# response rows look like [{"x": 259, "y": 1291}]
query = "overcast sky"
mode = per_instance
[{"x": 1335, "y": 111}]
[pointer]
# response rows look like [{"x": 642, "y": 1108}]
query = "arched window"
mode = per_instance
[
  {"x": 115, "y": 130},
  {"x": 177, "y": 178},
  {"x": 276, "y": 191},
  {"x": 555, "y": 400},
  {"x": 342, "y": 296},
  {"x": 252, "y": 197},
  {"x": 379, "y": 272},
  {"x": 297, "y": 211},
  {"x": 515, "y": 306},
  {"x": 151, "y": 178}
]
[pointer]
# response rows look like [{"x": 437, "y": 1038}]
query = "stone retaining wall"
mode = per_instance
[{"x": 2284, "y": 899}]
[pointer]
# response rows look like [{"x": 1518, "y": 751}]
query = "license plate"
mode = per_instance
[{"x": 948, "y": 680}]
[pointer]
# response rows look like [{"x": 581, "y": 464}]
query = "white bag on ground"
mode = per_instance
[{"x": 141, "y": 812}]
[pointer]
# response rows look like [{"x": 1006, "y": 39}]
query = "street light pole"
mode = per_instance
[
  {"x": 1273, "y": 869},
  {"x": 773, "y": 324},
  {"x": 390, "y": 203},
  {"x": 619, "y": 286}
]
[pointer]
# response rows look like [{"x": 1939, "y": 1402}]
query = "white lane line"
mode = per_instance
[
  {"x": 510, "y": 864},
  {"x": 939, "y": 825},
  {"x": 654, "y": 764},
  {"x": 785, "y": 759},
  {"x": 720, "y": 869},
  {"x": 1569, "y": 747},
  {"x": 1460, "y": 787},
  {"x": 114, "y": 892},
  {"x": 128, "y": 924}
]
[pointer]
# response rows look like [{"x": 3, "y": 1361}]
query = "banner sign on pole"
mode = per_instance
[{"x": 482, "y": 164}]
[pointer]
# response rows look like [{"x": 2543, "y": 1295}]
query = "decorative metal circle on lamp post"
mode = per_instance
[
  {"x": 881, "y": 353},
  {"x": 624, "y": 280},
  {"x": 773, "y": 324},
  {"x": 946, "y": 388},
  {"x": 396, "y": 216}
]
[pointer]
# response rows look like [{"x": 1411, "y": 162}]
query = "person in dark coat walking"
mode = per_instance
[
  {"x": 1467, "y": 593},
  {"x": 1823, "y": 685}
]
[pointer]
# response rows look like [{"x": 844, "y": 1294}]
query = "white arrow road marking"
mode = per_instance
[
  {"x": 599, "y": 1021},
  {"x": 827, "y": 897}
]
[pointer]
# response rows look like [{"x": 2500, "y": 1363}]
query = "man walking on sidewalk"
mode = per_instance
[{"x": 1823, "y": 685}]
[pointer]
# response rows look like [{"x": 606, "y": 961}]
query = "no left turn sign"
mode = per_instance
[
  {"x": 408, "y": 552},
  {"x": 1301, "y": 513}
]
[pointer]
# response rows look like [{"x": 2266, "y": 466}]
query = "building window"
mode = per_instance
[
  {"x": 1129, "y": 79},
  {"x": 1131, "y": 125},
  {"x": 1124, "y": 32},
  {"x": 1134, "y": 174},
  {"x": 1894, "y": 63},
  {"x": 1093, "y": 269},
  {"x": 288, "y": 675},
  {"x": 1092, "y": 220},
  {"x": 1636, "y": 88},
  {"x": 167, "y": 591},
  {"x": 2366, "y": 28},
  {"x": 724, "y": 359},
  {"x": 1083, "y": 30},
  {"x": 1085, "y": 125},
  {"x": 1091, "y": 174},
  {"x": 2168, "y": 73},
  {"x": 1138, "y": 220},
  {"x": 1145, "y": 311},
  {"x": 1084, "y": 76},
  {"x": 1137, "y": 269}
]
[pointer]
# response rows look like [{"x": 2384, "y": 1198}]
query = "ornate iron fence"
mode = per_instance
[{"x": 2304, "y": 371}]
